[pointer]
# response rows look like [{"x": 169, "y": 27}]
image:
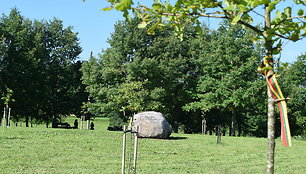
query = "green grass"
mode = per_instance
[{"x": 42, "y": 150}]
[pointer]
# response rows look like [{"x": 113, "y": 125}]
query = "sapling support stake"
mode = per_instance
[
  {"x": 218, "y": 134},
  {"x": 135, "y": 134},
  {"x": 4, "y": 118},
  {"x": 9, "y": 117},
  {"x": 135, "y": 149},
  {"x": 123, "y": 149}
]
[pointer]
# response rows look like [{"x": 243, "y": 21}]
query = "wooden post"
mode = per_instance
[
  {"x": 88, "y": 125},
  {"x": 204, "y": 126},
  {"x": 82, "y": 119},
  {"x": 135, "y": 148},
  {"x": 123, "y": 149},
  {"x": 9, "y": 117},
  {"x": 218, "y": 134},
  {"x": 81, "y": 122},
  {"x": 233, "y": 124},
  {"x": 4, "y": 118}
]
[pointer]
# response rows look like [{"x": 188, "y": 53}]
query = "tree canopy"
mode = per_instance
[
  {"x": 38, "y": 63},
  {"x": 159, "y": 72}
]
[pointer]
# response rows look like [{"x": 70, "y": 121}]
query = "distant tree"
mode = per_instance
[
  {"x": 7, "y": 98},
  {"x": 76, "y": 93},
  {"x": 38, "y": 65},
  {"x": 144, "y": 72},
  {"x": 138, "y": 72},
  {"x": 226, "y": 75},
  {"x": 16, "y": 33},
  {"x": 294, "y": 82}
]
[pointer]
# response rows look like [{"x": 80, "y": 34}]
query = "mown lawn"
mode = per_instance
[{"x": 42, "y": 150}]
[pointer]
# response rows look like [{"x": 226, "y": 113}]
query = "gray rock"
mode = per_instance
[{"x": 151, "y": 125}]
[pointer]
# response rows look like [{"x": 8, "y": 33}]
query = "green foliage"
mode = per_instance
[
  {"x": 294, "y": 82},
  {"x": 159, "y": 72},
  {"x": 116, "y": 120},
  {"x": 227, "y": 83},
  {"x": 139, "y": 72},
  {"x": 38, "y": 64},
  {"x": 7, "y": 97},
  {"x": 284, "y": 25}
]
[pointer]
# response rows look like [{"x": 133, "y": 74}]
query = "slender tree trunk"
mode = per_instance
[
  {"x": 31, "y": 121},
  {"x": 27, "y": 121},
  {"x": 233, "y": 125},
  {"x": 239, "y": 122},
  {"x": 271, "y": 109},
  {"x": 8, "y": 117},
  {"x": 204, "y": 126},
  {"x": 271, "y": 134},
  {"x": 4, "y": 117}
]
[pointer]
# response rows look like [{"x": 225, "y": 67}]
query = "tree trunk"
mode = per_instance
[
  {"x": 27, "y": 121},
  {"x": 204, "y": 126},
  {"x": 9, "y": 117},
  {"x": 271, "y": 109},
  {"x": 271, "y": 134},
  {"x": 239, "y": 120},
  {"x": 31, "y": 121},
  {"x": 4, "y": 118},
  {"x": 233, "y": 125}
]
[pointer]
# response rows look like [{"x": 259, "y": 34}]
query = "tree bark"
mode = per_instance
[
  {"x": 9, "y": 117},
  {"x": 204, "y": 126},
  {"x": 4, "y": 117},
  {"x": 271, "y": 109},
  {"x": 271, "y": 134},
  {"x": 27, "y": 121},
  {"x": 233, "y": 125}
]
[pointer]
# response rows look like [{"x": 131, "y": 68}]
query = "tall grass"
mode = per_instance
[{"x": 47, "y": 150}]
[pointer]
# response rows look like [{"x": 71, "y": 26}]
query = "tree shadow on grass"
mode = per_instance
[
  {"x": 12, "y": 138},
  {"x": 176, "y": 138},
  {"x": 170, "y": 138}
]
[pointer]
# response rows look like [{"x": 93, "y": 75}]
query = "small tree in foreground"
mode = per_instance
[
  {"x": 7, "y": 99},
  {"x": 278, "y": 24}
]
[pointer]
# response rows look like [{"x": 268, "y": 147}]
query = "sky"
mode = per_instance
[{"x": 95, "y": 26}]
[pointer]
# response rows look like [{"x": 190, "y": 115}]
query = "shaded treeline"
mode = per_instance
[{"x": 38, "y": 64}]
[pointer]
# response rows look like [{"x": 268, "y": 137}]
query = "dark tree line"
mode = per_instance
[
  {"x": 38, "y": 63},
  {"x": 209, "y": 77}
]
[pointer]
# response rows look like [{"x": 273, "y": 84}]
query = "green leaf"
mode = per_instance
[
  {"x": 278, "y": 14},
  {"x": 124, "y": 5},
  {"x": 157, "y": 6},
  {"x": 288, "y": 11},
  {"x": 143, "y": 24},
  {"x": 247, "y": 18},
  {"x": 300, "y": 12},
  {"x": 295, "y": 36},
  {"x": 151, "y": 30},
  {"x": 243, "y": 7},
  {"x": 107, "y": 8},
  {"x": 272, "y": 5},
  {"x": 236, "y": 19}
]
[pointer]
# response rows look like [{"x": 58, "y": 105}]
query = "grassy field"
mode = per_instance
[{"x": 42, "y": 150}]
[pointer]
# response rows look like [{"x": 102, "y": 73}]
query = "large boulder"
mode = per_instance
[{"x": 151, "y": 125}]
